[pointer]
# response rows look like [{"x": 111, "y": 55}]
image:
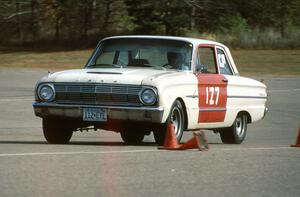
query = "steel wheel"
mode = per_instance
[
  {"x": 240, "y": 126},
  {"x": 177, "y": 120},
  {"x": 237, "y": 132},
  {"x": 176, "y": 117}
]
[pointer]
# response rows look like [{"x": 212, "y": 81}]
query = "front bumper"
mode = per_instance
[{"x": 143, "y": 114}]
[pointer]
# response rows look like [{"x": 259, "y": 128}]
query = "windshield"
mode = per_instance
[{"x": 143, "y": 52}]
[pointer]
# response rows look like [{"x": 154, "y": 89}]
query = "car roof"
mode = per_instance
[{"x": 194, "y": 41}]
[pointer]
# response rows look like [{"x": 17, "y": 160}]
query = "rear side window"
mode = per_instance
[
  {"x": 223, "y": 63},
  {"x": 206, "y": 60}
]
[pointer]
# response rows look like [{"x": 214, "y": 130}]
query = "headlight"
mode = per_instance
[
  {"x": 148, "y": 96},
  {"x": 46, "y": 92}
]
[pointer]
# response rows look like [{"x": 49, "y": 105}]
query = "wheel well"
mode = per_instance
[
  {"x": 185, "y": 113},
  {"x": 249, "y": 119}
]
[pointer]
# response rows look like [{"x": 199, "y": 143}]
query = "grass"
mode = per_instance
[
  {"x": 45, "y": 60},
  {"x": 267, "y": 62},
  {"x": 249, "y": 62}
]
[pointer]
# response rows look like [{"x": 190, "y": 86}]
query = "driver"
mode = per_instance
[{"x": 176, "y": 60}]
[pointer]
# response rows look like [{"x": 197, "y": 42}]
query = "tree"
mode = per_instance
[
  {"x": 52, "y": 11},
  {"x": 80, "y": 22}
]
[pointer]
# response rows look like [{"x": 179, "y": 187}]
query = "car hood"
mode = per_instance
[{"x": 134, "y": 76}]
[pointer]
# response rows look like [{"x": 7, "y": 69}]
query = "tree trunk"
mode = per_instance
[
  {"x": 19, "y": 36},
  {"x": 34, "y": 22},
  {"x": 282, "y": 19},
  {"x": 85, "y": 24},
  {"x": 86, "y": 20},
  {"x": 108, "y": 4},
  {"x": 57, "y": 36},
  {"x": 192, "y": 18}
]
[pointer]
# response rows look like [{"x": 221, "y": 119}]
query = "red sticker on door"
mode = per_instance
[{"x": 212, "y": 90}]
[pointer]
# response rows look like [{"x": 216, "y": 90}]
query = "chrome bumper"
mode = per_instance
[{"x": 145, "y": 114}]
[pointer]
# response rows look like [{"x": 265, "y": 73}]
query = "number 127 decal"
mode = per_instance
[
  {"x": 212, "y": 95},
  {"x": 212, "y": 92}
]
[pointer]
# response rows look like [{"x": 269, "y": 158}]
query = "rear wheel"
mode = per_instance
[
  {"x": 132, "y": 135},
  {"x": 56, "y": 131},
  {"x": 176, "y": 117},
  {"x": 237, "y": 132}
]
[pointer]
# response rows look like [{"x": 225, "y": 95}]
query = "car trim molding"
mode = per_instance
[
  {"x": 248, "y": 97},
  {"x": 211, "y": 109},
  {"x": 192, "y": 96}
]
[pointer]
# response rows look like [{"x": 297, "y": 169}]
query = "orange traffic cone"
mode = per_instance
[
  {"x": 199, "y": 141},
  {"x": 298, "y": 140},
  {"x": 170, "y": 142}
]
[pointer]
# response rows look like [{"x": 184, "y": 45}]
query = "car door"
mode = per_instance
[{"x": 212, "y": 87}]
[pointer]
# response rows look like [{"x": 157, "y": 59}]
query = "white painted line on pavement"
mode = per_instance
[
  {"x": 255, "y": 148},
  {"x": 132, "y": 151},
  {"x": 290, "y": 90},
  {"x": 16, "y": 99},
  {"x": 75, "y": 153}
]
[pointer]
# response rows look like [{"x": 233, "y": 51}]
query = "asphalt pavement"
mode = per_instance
[{"x": 99, "y": 164}]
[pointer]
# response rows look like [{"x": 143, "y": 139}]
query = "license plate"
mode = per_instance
[{"x": 94, "y": 114}]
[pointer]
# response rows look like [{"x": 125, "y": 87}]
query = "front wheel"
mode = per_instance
[
  {"x": 56, "y": 131},
  {"x": 176, "y": 117},
  {"x": 237, "y": 132}
]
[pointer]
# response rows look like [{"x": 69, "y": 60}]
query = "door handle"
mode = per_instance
[{"x": 225, "y": 80}]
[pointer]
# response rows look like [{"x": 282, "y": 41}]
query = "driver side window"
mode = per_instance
[{"x": 206, "y": 60}]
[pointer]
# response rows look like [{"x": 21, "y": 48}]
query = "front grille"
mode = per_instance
[{"x": 101, "y": 94}]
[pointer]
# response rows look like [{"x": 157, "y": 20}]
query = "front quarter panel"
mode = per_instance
[{"x": 177, "y": 85}]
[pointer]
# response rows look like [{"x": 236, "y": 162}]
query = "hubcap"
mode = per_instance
[
  {"x": 176, "y": 120},
  {"x": 240, "y": 125}
]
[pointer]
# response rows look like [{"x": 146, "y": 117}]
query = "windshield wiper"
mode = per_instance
[
  {"x": 105, "y": 65},
  {"x": 120, "y": 66},
  {"x": 148, "y": 65}
]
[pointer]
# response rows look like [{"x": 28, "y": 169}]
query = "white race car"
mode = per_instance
[{"x": 136, "y": 85}]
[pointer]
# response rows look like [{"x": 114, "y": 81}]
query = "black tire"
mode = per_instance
[
  {"x": 56, "y": 131},
  {"x": 237, "y": 132},
  {"x": 132, "y": 136},
  {"x": 176, "y": 117}
]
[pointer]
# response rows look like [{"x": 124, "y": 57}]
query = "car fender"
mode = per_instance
[{"x": 176, "y": 85}]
